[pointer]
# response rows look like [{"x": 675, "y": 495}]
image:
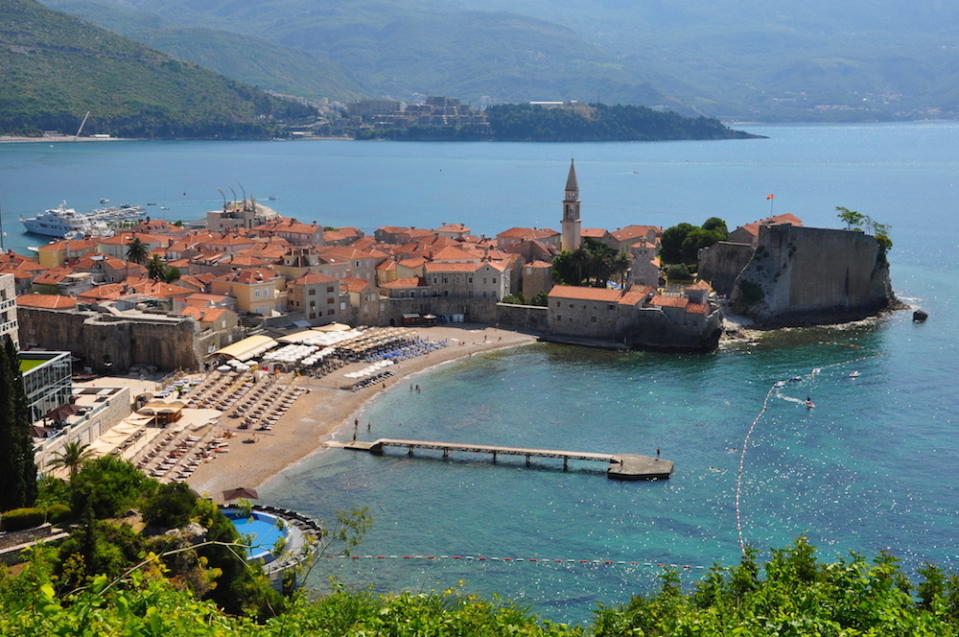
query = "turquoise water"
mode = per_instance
[
  {"x": 872, "y": 467},
  {"x": 261, "y": 529}
]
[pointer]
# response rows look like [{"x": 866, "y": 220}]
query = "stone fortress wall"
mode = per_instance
[
  {"x": 801, "y": 276},
  {"x": 107, "y": 343}
]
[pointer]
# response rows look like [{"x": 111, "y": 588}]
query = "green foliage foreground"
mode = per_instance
[{"x": 792, "y": 594}]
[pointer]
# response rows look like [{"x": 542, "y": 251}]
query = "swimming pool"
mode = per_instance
[{"x": 261, "y": 527}]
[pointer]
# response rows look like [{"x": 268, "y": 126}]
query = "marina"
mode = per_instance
[
  {"x": 66, "y": 223},
  {"x": 622, "y": 466}
]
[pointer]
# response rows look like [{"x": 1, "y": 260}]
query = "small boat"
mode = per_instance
[
  {"x": 854, "y": 375},
  {"x": 151, "y": 203},
  {"x": 809, "y": 404},
  {"x": 104, "y": 200},
  {"x": 795, "y": 379},
  {"x": 272, "y": 197},
  {"x": 780, "y": 383},
  {"x": 164, "y": 207}
]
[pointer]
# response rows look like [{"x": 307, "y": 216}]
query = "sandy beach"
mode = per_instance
[{"x": 316, "y": 415}]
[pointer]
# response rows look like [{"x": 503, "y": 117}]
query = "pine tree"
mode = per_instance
[{"x": 16, "y": 442}]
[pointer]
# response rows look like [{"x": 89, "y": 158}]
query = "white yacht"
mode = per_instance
[{"x": 62, "y": 221}]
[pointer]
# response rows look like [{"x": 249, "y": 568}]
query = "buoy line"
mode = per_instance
[{"x": 752, "y": 427}]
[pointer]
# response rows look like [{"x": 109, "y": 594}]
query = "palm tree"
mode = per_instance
[
  {"x": 73, "y": 455},
  {"x": 137, "y": 251},
  {"x": 156, "y": 269}
]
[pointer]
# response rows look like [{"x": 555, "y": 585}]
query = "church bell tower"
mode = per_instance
[{"x": 571, "y": 226}]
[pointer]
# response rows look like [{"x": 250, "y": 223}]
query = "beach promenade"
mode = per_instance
[{"x": 315, "y": 416}]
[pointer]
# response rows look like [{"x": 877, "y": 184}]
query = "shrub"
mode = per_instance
[
  {"x": 752, "y": 292},
  {"x": 58, "y": 512},
  {"x": 170, "y": 507},
  {"x": 25, "y": 518},
  {"x": 109, "y": 485},
  {"x": 677, "y": 272}
]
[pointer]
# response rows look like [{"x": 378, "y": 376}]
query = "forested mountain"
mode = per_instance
[
  {"x": 247, "y": 58},
  {"x": 55, "y": 67},
  {"x": 405, "y": 49},
  {"x": 734, "y": 59}
]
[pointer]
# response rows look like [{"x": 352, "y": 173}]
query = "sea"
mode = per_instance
[{"x": 873, "y": 467}]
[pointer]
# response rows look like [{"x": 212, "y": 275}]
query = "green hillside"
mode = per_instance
[
  {"x": 405, "y": 50},
  {"x": 55, "y": 67},
  {"x": 733, "y": 59},
  {"x": 249, "y": 59}
]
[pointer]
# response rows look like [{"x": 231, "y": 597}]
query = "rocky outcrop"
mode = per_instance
[{"x": 811, "y": 276}]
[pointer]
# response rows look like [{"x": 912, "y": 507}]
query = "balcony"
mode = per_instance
[{"x": 9, "y": 326}]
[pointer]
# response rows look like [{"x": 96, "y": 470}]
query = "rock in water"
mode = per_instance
[{"x": 919, "y": 316}]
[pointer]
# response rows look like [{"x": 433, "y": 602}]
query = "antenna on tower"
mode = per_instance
[
  {"x": 220, "y": 190},
  {"x": 234, "y": 195}
]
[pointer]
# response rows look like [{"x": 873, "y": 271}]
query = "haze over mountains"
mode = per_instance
[{"x": 735, "y": 59}]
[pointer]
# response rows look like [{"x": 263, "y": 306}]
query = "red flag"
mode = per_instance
[{"x": 768, "y": 197}]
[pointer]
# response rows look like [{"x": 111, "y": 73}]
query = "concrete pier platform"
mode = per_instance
[{"x": 620, "y": 466}]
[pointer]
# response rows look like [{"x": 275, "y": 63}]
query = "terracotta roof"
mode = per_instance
[
  {"x": 413, "y": 263},
  {"x": 538, "y": 264},
  {"x": 70, "y": 244},
  {"x": 699, "y": 285},
  {"x": 206, "y": 299},
  {"x": 453, "y": 267},
  {"x": 581, "y": 293},
  {"x": 109, "y": 292},
  {"x": 593, "y": 233},
  {"x": 636, "y": 295},
  {"x": 450, "y": 253},
  {"x": 527, "y": 233},
  {"x": 46, "y": 301},
  {"x": 787, "y": 218},
  {"x": 453, "y": 227},
  {"x": 53, "y": 275},
  {"x": 355, "y": 285},
  {"x": 669, "y": 301},
  {"x": 412, "y": 282},
  {"x": 634, "y": 231},
  {"x": 251, "y": 276},
  {"x": 313, "y": 278},
  {"x": 387, "y": 265},
  {"x": 696, "y": 308},
  {"x": 204, "y": 314}
]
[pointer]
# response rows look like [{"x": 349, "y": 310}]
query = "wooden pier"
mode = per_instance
[{"x": 621, "y": 466}]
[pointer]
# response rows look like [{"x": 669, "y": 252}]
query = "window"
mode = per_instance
[
  {"x": 312, "y": 292},
  {"x": 592, "y": 319},
  {"x": 471, "y": 279},
  {"x": 330, "y": 312},
  {"x": 484, "y": 280},
  {"x": 330, "y": 301},
  {"x": 494, "y": 280},
  {"x": 558, "y": 303},
  {"x": 559, "y": 318},
  {"x": 610, "y": 307},
  {"x": 329, "y": 289}
]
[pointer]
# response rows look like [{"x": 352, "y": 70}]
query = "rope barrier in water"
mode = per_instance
[{"x": 752, "y": 427}]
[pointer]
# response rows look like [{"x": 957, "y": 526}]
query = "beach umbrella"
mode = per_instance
[{"x": 240, "y": 492}]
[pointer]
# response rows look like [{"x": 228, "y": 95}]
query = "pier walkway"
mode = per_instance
[{"x": 621, "y": 466}]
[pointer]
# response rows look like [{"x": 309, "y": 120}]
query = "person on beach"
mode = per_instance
[
  {"x": 369, "y": 426},
  {"x": 657, "y": 453}
]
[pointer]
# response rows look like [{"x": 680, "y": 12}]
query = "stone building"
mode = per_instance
[
  {"x": 319, "y": 298},
  {"x": 8, "y": 309}
]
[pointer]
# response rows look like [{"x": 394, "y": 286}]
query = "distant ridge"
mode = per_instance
[{"x": 55, "y": 67}]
